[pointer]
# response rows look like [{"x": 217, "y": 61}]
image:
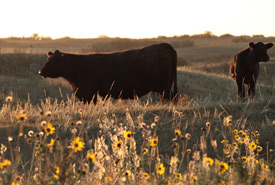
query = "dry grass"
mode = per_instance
[{"x": 208, "y": 99}]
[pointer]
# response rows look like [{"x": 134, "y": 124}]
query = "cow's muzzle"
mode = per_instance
[
  {"x": 266, "y": 59},
  {"x": 40, "y": 73}
]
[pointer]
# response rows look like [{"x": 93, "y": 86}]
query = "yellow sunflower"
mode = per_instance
[
  {"x": 91, "y": 157},
  {"x": 51, "y": 145},
  {"x": 252, "y": 146},
  {"x": 6, "y": 162},
  {"x": 209, "y": 161},
  {"x": 160, "y": 169},
  {"x": 223, "y": 167},
  {"x": 128, "y": 134},
  {"x": 245, "y": 159},
  {"x": 49, "y": 129},
  {"x": 177, "y": 132},
  {"x": 178, "y": 176},
  {"x": 118, "y": 144},
  {"x": 77, "y": 144},
  {"x": 108, "y": 179},
  {"x": 259, "y": 148},
  {"x": 21, "y": 117},
  {"x": 9, "y": 99},
  {"x": 154, "y": 141},
  {"x": 146, "y": 175},
  {"x": 195, "y": 179}
]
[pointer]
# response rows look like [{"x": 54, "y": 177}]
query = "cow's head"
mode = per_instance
[
  {"x": 53, "y": 67},
  {"x": 260, "y": 50}
]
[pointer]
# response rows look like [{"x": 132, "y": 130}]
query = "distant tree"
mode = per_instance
[{"x": 227, "y": 35}]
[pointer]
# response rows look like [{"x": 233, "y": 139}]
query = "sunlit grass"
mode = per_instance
[{"x": 132, "y": 143}]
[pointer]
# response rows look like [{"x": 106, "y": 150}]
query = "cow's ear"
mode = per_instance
[
  {"x": 49, "y": 53},
  {"x": 251, "y": 46},
  {"x": 269, "y": 45}
]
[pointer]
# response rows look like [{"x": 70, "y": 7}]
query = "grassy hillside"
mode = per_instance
[{"x": 205, "y": 125}]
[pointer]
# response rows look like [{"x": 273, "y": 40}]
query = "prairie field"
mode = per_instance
[{"x": 48, "y": 136}]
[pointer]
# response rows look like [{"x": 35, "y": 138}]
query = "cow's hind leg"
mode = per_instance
[{"x": 240, "y": 85}]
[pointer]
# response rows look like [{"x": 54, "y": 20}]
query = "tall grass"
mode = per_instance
[
  {"x": 49, "y": 137},
  {"x": 136, "y": 142}
]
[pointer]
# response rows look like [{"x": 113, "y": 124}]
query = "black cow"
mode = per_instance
[
  {"x": 244, "y": 67},
  {"x": 125, "y": 75}
]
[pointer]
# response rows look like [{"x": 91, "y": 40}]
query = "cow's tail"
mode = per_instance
[
  {"x": 232, "y": 68},
  {"x": 175, "y": 94}
]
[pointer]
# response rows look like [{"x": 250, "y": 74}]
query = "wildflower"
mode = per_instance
[
  {"x": 228, "y": 120},
  {"x": 43, "y": 124},
  {"x": 194, "y": 178},
  {"x": 127, "y": 173},
  {"x": 74, "y": 131},
  {"x": 177, "y": 132},
  {"x": 49, "y": 129},
  {"x": 41, "y": 134},
  {"x": 188, "y": 136},
  {"x": 91, "y": 157},
  {"x": 223, "y": 167},
  {"x": 153, "y": 125},
  {"x": 146, "y": 175},
  {"x": 108, "y": 179},
  {"x": 241, "y": 133},
  {"x": 128, "y": 134},
  {"x": 242, "y": 140},
  {"x": 175, "y": 140},
  {"x": 21, "y": 117},
  {"x": 9, "y": 99},
  {"x": 48, "y": 114},
  {"x": 209, "y": 161},
  {"x": 224, "y": 141},
  {"x": 154, "y": 141},
  {"x": 259, "y": 148},
  {"x": 236, "y": 131},
  {"x": 118, "y": 144},
  {"x": 10, "y": 139},
  {"x": 77, "y": 144},
  {"x": 244, "y": 159},
  {"x": 30, "y": 133},
  {"x": 29, "y": 141},
  {"x": 252, "y": 146},
  {"x": 56, "y": 170},
  {"x": 145, "y": 151},
  {"x": 160, "y": 169},
  {"x": 6, "y": 162},
  {"x": 156, "y": 119},
  {"x": 208, "y": 124},
  {"x": 271, "y": 151},
  {"x": 50, "y": 145},
  {"x": 178, "y": 176},
  {"x": 143, "y": 125},
  {"x": 79, "y": 123},
  {"x": 188, "y": 150},
  {"x": 235, "y": 145},
  {"x": 237, "y": 137},
  {"x": 15, "y": 183},
  {"x": 264, "y": 166}
]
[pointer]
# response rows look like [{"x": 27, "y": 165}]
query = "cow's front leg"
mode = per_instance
[
  {"x": 240, "y": 85},
  {"x": 251, "y": 87}
]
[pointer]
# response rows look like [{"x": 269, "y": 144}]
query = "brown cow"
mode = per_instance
[
  {"x": 244, "y": 67},
  {"x": 126, "y": 75}
]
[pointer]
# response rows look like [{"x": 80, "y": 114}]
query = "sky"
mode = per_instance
[{"x": 135, "y": 18}]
